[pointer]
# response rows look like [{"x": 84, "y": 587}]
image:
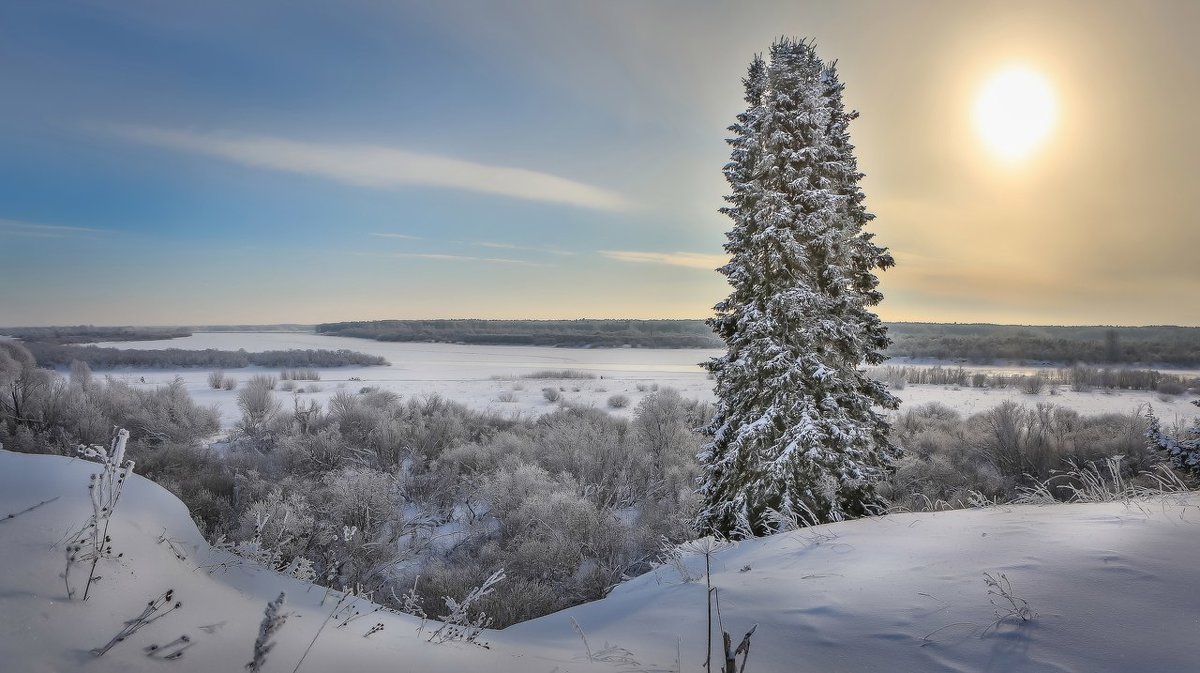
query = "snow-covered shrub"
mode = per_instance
[
  {"x": 157, "y": 415},
  {"x": 936, "y": 481},
  {"x": 215, "y": 379},
  {"x": 509, "y": 487},
  {"x": 482, "y": 457},
  {"x": 259, "y": 407},
  {"x": 1171, "y": 388},
  {"x": 25, "y": 386},
  {"x": 361, "y": 497},
  {"x": 302, "y": 374},
  {"x": 323, "y": 449},
  {"x": 1033, "y": 385},
  {"x": 277, "y": 528},
  {"x": 262, "y": 381},
  {"x": 551, "y": 394},
  {"x": 596, "y": 450},
  {"x": 81, "y": 374},
  {"x": 996, "y": 453},
  {"x": 618, "y": 401}
]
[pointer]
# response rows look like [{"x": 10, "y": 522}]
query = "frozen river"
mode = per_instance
[{"x": 492, "y": 378}]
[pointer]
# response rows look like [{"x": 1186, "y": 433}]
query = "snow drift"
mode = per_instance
[{"x": 1111, "y": 587}]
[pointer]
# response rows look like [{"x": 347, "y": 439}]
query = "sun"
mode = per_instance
[{"x": 1015, "y": 111}]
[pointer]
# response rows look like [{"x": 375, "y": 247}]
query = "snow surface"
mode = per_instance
[
  {"x": 482, "y": 377},
  {"x": 1114, "y": 586}
]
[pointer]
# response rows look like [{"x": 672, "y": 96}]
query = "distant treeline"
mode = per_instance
[
  {"x": 62, "y": 355},
  {"x": 979, "y": 344},
  {"x": 91, "y": 333},
  {"x": 566, "y": 333},
  {"x": 968, "y": 343},
  {"x": 983, "y": 344}
]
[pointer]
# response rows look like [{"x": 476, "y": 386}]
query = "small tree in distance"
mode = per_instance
[{"x": 798, "y": 432}]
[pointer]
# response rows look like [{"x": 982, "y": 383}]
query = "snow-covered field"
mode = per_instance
[
  {"x": 1112, "y": 587},
  {"x": 490, "y": 377}
]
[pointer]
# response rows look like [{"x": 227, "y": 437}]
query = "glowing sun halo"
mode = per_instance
[{"x": 1015, "y": 112}]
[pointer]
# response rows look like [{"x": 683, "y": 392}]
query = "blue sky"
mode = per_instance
[{"x": 232, "y": 162}]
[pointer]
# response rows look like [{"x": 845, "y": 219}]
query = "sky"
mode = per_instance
[{"x": 294, "y": 161}]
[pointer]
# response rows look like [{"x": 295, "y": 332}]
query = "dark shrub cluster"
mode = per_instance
[{"x": 950, "y": 459}]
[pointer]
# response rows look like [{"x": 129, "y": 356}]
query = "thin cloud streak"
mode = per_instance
[
  {"x": 691, "y": 260},
  {"x": 376, "y": 166},
  {"x": 35, "y": 230},
  {"x": 510, "y": 246},
  {"x": 450, "y": 258},
  {"x": 403, "y": 236}
]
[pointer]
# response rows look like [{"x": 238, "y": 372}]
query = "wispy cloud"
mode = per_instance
[
  {"x": 451, "y": 258},
  {"x": 510, "y": 246},
  {"x": 692, "y": 260},
  {"x": 406, "y": 237},
  {"x": 376, "y": 166},
  {"x": 35, "y": 230}
]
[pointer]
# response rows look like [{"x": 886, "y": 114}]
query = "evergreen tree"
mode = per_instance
[
  {"x": 799, "y": 429},
  {"x": 1184, "y": 450}
]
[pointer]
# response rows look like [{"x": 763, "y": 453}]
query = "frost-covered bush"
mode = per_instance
[
  {"x": 996, "y": 452},
  {"x": 277, "y": 529},
  {"x": 262, "y": 381},
  {"x": 589, "y": 446},
  {"x": 618, "y": 401},
  {"x": 259, "y": 407},
  {"x": 895, "y": 378},
  {"x": 1033, "y": 385},
  {"x": 58, "y": 414},
  {"x": 215, "y": 379},
  {"x": 304, "y": 374},
  {"x": 1171, "y": 388},
  {"x": 509, "y": 487}
]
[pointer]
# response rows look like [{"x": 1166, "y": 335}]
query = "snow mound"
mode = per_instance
[{"x": 1113, "y": 587}]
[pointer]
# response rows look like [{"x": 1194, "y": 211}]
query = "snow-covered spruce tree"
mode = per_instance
[
  {"x": 1183, "y": 450},
  {"x": 798, "y": 430}
]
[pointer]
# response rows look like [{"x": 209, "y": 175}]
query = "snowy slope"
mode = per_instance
[{"x": 1115, "y": 588}]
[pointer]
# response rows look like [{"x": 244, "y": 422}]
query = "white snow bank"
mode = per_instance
[{"x": 1114, "y": 586}]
